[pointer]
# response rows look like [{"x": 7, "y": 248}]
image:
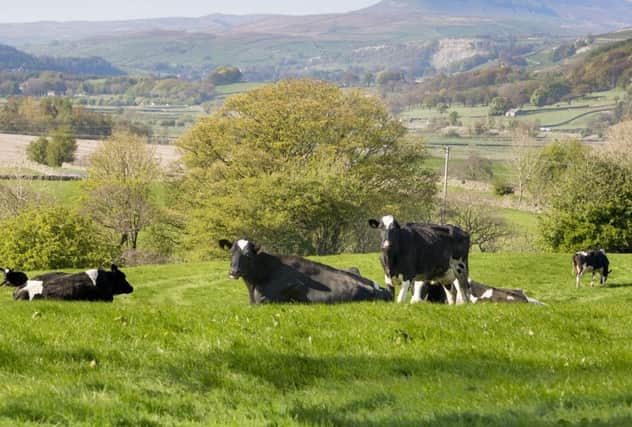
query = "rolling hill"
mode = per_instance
[
  {"x": 12, "y": 59},
  {"x": 392, "y": 33}
]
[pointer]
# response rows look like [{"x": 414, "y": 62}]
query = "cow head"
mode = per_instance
[
  {"x": 13, "y": 278},
  {"x": 389, "y": 231},
  {"x": 115, "y": 279},
  {"x": 389, "y": 237},
  {"x": 243, "y": 254}
]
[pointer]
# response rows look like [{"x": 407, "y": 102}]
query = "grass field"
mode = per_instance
[{"x": 186, "y": 349}]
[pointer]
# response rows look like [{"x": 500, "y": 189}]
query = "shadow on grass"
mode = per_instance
[
  {"x": 618, "y": 285},
  {"x": 343, "y": 416}
]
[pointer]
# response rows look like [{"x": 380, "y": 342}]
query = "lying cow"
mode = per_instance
[
  {"x": 424, "y": 253},
  {"x": 482, "y": 293},
  {"x": 92, "y": 285},
  {"x": 591, "y": 261},
  {"x": 277, "y": 278},
  {"x": 14, "y": 278}
]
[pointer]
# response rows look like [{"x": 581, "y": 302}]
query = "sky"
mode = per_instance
[{"x": 91, "y": 10}]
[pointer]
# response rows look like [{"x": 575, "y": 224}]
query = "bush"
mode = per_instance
[
  {"x": 503, "y": 188},
  {"x": 54, "y": 238},
  {"x": 36, "y": 150},
  {"x": 61, "y": 148}
]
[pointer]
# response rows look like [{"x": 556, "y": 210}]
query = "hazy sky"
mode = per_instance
[{"x": 74, "y": 10}]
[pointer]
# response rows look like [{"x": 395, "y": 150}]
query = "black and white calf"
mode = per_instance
[
  {"x": 423, "y": 253},
  {"x": 277, "y": 278},
  {"x": 92, "y": 285},
  {"x": 591, "y": 261},
  {"x": 14, "y": 278}
]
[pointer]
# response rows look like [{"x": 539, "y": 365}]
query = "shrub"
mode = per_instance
[
  {"x": 503, "y": 188},
  {"x": 54, "y": 238},
  {"x": 36, "y": 150}
]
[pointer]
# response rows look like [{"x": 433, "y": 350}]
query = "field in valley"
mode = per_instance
[{"x": 186, "y": 349}]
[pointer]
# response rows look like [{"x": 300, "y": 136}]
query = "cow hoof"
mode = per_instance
[{"x": 416, "y": 301}]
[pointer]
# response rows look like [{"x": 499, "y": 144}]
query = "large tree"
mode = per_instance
[
  {"x": 591, "y": 206},
  {"x": 298, "y": 165},
  {"x": 118, "y": 189}
]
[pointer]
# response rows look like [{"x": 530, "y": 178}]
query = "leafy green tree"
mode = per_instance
[
  {"x": 37, "y": 149},
  {"x": 297, "y": 165},
  {"x": 579, "y": 219},
  {"x": 553, "y": 161},
  {"x": 453, "y": 118},
  {"x": 118, "y": 188},
  {"x": 54, "y": 238},
  {"x": 61, "y": 148},
  {"x": 499, "y": 106},
  {"x": 539, "y": 96},
  {"x": 225, "y": 75}
]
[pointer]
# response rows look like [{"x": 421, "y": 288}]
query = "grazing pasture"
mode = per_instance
[{"x": 186, "y": 349}]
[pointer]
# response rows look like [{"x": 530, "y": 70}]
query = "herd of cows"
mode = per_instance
[{"x": 431, "y": 257}]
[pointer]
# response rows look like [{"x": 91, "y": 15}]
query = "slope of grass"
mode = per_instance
[{"x": 186, "y": 349}]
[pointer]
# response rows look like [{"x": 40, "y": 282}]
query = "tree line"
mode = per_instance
[{"x": 299, "y": 166}]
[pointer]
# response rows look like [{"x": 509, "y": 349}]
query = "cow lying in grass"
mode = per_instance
[
  {"x": 276, "y": 278},
  {"x": 482, "y": 293},
  {"x": 13, "y": 278},
  {"x": 92, "y": 285}
]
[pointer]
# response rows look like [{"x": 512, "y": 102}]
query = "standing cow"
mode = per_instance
[
  {"x": 275, "y": 278},
  {"x": 425, "y": 253},
  {"x": 591, "y": 261},
  {"x": 92, "y": 285}
]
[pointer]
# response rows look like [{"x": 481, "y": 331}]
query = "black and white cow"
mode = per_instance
[
  {"x": 13, "y": 278},
  {"x": 92, "y": 285},
  {"x": 423, "y": 253},
  {"x": 591, "y": 261},
  {"x": 484, "y": 293},
  {"x": 277, "y": 278}
]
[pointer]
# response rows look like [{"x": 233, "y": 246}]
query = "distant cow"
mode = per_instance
[
  {"x": 481, "y": 293},
  {"x": 92, "y": 285},
  {"x": 13, "y": 278},
  {"x": 591, "y": 261},
  {"x": 425, "y": 253},
  {"x": 276, "y": 278}
]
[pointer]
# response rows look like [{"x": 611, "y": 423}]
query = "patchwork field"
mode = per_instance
[
  {"x": 186, "y": 349},
  {"x": 13, "y": 149}
]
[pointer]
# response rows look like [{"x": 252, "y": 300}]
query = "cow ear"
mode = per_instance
[
  {"x": 257, "y": 248},
  {"x": 225, "y": 244},
  {"x": 374, "y": 223},
  {"x": 113, "y": 267}
]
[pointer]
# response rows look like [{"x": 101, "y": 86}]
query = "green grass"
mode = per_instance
[{"x": 186, "y": 349}]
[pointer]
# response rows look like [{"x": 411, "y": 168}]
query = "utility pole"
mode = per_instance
[{"x": 445, "y": 184}]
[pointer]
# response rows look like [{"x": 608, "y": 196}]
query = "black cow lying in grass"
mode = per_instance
[
  {"x": 276, "y": 278},
  {"x": 13, "y": 278},
  {"x": 92, "y": 285}
]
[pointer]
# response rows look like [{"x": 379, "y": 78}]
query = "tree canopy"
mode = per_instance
[{"x": 299, "y": 166}]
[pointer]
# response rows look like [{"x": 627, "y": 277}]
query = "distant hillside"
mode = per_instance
[
  {"x": 605, "y": 68},
  {"x": 595, "y": 15},
  {"x": 419, "y": 36},
  {"x": 12, "y": 59}
]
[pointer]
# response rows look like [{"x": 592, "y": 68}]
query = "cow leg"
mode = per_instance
[
  {"x": 592, "y": 280},
  {"x": 448, "y": 293},
  {"x": 578, "y": 278},
  {"x": 418, "y": 287},
  {"x": 463, "y": 292},
  {"x": 403, "y": 291}
]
